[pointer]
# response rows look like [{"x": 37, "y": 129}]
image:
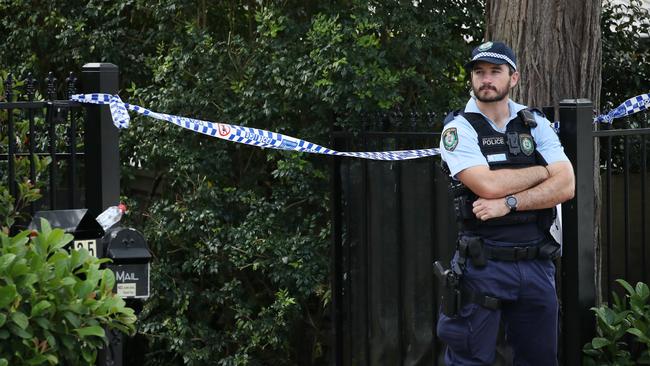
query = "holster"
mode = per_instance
[
  {"x": 551, "y": 249},
  {"x": 454, "y": 296},
  {"x": 451, "y": 299}
]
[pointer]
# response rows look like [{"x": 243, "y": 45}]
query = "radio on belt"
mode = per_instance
[{"x": 130, "y": 254}]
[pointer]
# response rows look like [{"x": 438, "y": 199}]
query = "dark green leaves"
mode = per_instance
[{"x": 8, "y": 295}]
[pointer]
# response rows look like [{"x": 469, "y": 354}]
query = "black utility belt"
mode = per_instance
[
  {"x": 511, "y": 253},
  {"x": 474, "y": 249}
]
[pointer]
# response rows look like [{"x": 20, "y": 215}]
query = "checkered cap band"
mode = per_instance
[{"x": 495, "y": 55}]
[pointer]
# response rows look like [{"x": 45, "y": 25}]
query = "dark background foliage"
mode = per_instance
[
  {"x": 626, "y": 71},
  {"x": 626, "y": 51},
  {"x": 240, "y": 234}
]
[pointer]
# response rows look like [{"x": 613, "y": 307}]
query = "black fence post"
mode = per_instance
[
  {"x": 102, "y": 157},
  {"x": 102, "y": 169},
  {"x": 336, "y": 279},
  {"x": 578, "y": 279}
]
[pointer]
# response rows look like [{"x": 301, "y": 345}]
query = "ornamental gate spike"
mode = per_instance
[
  {"x": 51, "y": 87},
  {"x": 30, "y": 84},
  {"x": 9, "y": 88},
  {"x": 71, "y": 82}
]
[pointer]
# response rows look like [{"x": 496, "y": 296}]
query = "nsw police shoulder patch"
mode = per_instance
[
  {"x": 450, "y": 139},
  {"x": 526, "y": 143}
]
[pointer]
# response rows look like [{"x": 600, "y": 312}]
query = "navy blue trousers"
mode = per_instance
[{"x": 529, "y": 313}]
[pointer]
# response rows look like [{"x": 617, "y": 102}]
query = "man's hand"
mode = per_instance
[{"x": 485, "y": 209}]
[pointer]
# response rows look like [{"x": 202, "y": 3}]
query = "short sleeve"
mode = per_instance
[
  {"x": 548, "y": 143},
  {"x": 459, "y": 146}
]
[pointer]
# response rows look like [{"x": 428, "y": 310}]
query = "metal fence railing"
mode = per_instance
[
  {"x": 41, "y": 130},
  {"x": 67, "y": 150},
  {"x": 625, "y": 235}
]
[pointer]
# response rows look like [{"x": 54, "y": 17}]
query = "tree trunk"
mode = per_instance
[{"x": 558, "y": 47}]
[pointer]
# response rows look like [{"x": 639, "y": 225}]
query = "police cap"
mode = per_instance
[{"x": 493, "y": 52}]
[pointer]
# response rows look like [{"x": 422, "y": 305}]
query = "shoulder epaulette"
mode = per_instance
[
  {"x": 450, "y": 116},
  {"x": 538, "y": 111}
]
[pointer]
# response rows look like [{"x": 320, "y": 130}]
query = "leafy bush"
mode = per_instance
[
  {"x": 54, "y": 303},
  {"x": 623, "y": 330}
]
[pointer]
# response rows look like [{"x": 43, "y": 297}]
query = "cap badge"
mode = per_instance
[{"x": 485, "y": 46}]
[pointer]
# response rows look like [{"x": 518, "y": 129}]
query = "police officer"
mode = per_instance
[{"x": 512, "y": 172}]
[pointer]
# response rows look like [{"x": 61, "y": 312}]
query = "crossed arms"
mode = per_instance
[{"x": 534, "y": 187}]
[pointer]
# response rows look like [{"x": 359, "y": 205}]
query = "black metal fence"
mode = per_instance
[
  {"x": 624, "y": 175},
  {"x": 391, "y": 219},
  {"x": 77, "y": 144}
]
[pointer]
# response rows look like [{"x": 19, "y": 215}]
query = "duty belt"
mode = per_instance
[
  {"x": 474, "y": 249},
  {"x": 511, "y": 253}
]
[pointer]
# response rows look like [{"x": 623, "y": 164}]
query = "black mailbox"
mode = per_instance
[
  {"x": 130, "y": 254},
  {"x": 85, "y": 229}
]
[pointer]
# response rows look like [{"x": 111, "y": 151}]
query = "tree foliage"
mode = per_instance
[
  {"x": 626, "y": 51},
  {"x": 626, "y": 71}
]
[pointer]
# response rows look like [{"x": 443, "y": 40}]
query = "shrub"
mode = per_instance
[
  {"x": 623, "y": 330},
  {"x": 54, "y": 304}
]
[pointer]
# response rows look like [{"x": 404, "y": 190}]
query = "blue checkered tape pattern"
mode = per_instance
[
  {"x": 630, "y": 106},
  {"x": 245, "y": 135}
]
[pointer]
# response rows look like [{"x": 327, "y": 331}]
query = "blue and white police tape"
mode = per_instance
[
  {"x": 630, "y": 106},
  {"x": 244, "y": 135}
]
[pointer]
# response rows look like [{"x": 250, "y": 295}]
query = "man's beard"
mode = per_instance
[{"x": 500, "y": 94}]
